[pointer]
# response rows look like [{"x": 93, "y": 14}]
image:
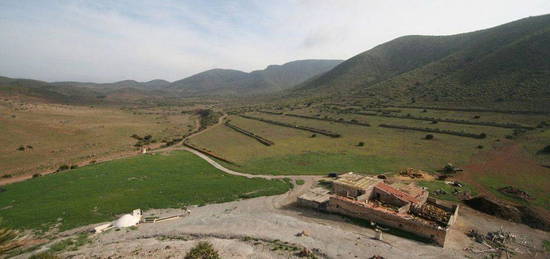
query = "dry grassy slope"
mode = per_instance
[{"x": 63, "y": 134}]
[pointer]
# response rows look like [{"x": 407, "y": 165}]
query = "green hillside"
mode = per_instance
[{"x": 508, "y": 63}]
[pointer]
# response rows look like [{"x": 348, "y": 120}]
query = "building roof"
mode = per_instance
[
  {"x": 397, "y": 193},
  {"x": 357, "y": 181},
  {"x": 318, "y": 195},
  {"x": 412, "y": 189}
]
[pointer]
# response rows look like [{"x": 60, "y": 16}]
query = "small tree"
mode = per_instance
[
  {"x": 204, "y": 250},
  {"x": 429, "y": 136},
  {"x": 546, "y": 150},
  {"x": 360, "y": 144}
]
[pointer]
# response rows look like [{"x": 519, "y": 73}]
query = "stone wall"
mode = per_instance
[
  {"x": 383, "y": 196},
  {"x": 453, "y": 209},
  {"x": 404, "y": 209},
  {"x": 350, "y": 191},
  {"x": 360, "y": 210},
  {"x": 308, "y": 203}
]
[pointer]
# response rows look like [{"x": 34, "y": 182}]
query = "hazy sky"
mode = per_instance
[{"x": 108, "y": 40}]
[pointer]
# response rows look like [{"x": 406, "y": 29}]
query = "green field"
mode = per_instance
[
  {"x": 316, "y": 163},
  {"x": 100, "y": 192},
  {"x": 296, "y": 152},
  {"x": 449, "y": 196}
]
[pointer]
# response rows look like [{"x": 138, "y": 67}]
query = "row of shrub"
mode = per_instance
[
  {"x": 270, "y": 112},
  {"x": 206, "y": 152},
  {"x": 382, "y": 110},
  {"x": 479, "y": 123},
  {"x": 143, "y": 141},
  {"x": 468, "y": 109},
  {"x": 353, "y": 122},
  {"x": 310, "y": 129},
  {"x": 250, "y": 134},
  {"x": 172, "y": 142},
  {"x": 436, "y": 130}
]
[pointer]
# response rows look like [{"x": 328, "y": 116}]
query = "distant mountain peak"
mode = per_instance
[{"x": 272, "y": 78}]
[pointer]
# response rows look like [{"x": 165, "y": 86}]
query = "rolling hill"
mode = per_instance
[
  {"x": 507, "y": 63},
  {"x": 44, "y": 91},
  {"x": 156, "y": 84},
  {"x": 233, "y": 82}
]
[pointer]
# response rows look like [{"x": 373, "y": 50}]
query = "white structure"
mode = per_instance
[{"x": 128, "y": 220}]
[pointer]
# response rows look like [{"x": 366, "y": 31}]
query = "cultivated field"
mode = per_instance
[
  {"x": 102, "y": 191},
  {"x": 38, "y": 137},
  {"x": 375, "y": 149}
]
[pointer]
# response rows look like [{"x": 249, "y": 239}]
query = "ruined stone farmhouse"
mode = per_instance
[{"x": 401, "y": 206}]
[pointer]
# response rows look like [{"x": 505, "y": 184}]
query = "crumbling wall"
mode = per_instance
[
  {"x": 453, "y": 209},
  {"x": 350, "y": 191},
  {"x": 422, "y": 199},
  {"x": 453, "y": 218},
  {"x": 308, "y": 203},
  {"x": 356, "y": 209},
  {"x": 367, "y": 195},
  {"x": 404, "y": 209},
  {"x": 386, "y": 197}
]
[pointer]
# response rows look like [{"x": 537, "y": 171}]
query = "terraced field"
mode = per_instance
[
  {"x": 297, "y": 151},
  {"x": 385, "y": 149}
]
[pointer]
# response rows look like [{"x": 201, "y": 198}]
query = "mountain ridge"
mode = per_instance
[
  {"x": 509, "y": 62},
  {"x": 271, "y": 79}
]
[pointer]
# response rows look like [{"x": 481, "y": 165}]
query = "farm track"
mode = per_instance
[{"x": 309, "y": 180}]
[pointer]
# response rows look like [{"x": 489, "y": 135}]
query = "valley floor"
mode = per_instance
[{"x": 267, "y": 227}]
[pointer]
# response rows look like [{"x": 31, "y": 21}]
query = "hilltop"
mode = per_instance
[{"x": 272, "y": 79}]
